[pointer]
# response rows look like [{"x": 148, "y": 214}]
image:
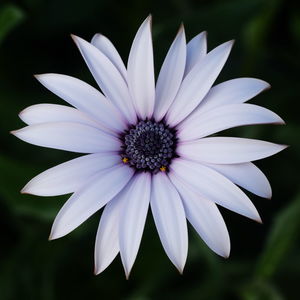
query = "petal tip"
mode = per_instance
[
  {"x": 181, "y": 28},
  {"x": 13, "y": 132},
  {"x": 181, "y": 31},
  {"x": 28, "y": 189},
  {"x": 54, "y": 234},
  {"x": 268, "y": 191},
  {"x": 258, "y": 219},
  {"x": 180, "y": 266},
  {"x": 279, "y": 121},
  {"x": 127, "y": 275},
  {"x": 282, "y": 147},
  {"x": 21, "y": 113},
  {"x": 96, "y": 36},
  {"x": 25, "y": 191},
  {"x": 267, "y": 86},
  {"x": 127, "y": 267},
  {"x": 268, "y": 195},
  {"x": 41, "y": 77},
  {"x": 18, "y": 133},
  {"x": 37, "y": 76},
  {"x": 75, "y": 38},
  {"x": 147, "y": 21},
  {"x": 96, "y": 271},
  {"x": 254, "y": 215},
  {"x": 180, "y": 270},
  {"x": 231, "y": 43},
  {"x": 223, "y": 250},
  {"x": 50, "y": 238},
  {"x": 99, "y": 268}
]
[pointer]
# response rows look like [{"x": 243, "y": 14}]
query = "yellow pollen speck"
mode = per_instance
[
  {"x": 125, "y": 160},
  {"x": 163, "y": 169}
]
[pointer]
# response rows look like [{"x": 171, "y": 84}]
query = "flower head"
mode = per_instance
[{"x": 147, "y": 144}]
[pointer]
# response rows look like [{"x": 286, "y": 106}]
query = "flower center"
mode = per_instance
[{"x": 149, "y": 146}]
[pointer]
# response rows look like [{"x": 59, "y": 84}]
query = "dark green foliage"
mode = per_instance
[{"x": 265, "y": 259}]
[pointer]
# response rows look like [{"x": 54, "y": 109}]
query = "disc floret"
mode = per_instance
[{"x": 149, "y": 146}]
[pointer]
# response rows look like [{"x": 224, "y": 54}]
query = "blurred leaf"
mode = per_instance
[
  {"x": 10, "y": 17},
  {"x": 258, "y": 28},
  {"x": 285, "y": 230},
  {"x": 261, "y": 291}
]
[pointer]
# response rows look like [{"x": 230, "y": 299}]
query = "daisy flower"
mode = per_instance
[{"x": 148, "y": 145}]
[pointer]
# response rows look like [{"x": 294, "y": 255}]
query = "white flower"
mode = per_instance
[{"x": 148, "y": 144}]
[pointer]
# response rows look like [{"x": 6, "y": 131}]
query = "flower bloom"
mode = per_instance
[{"x": 147, "y": 144}]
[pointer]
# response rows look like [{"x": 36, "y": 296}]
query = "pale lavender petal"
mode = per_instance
[
  {"x": 197, "y": 83},
  {"x": 106, "y": 47},
  {"x": 107, "y": 239},
  {"x": 69, "y": 136},
  {"x": 108, "y": 78},
  {"x": 214, "y": 186},
  {"x": 233, "y": 91},
  {"x": 85, "y": 98},
  {"x": 205, "y": 217},
  {"x": 48, "y": 113},
  {"x": 170, "y": 75},
  {"x": 246, "y": 175},
  {"x": 133, "y": 217},
  {"x": 169, "y": 217},
  {"x": 102, "y": 188},
  {"x": 227, "y": 116},
  {"x": 141, "y": 71},
  {"x": 196, "y": 50},
  {"x": 70, "y": 176},
  {"x": 227, "y": 150}
]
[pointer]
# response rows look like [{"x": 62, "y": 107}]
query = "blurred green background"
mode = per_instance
[{"x": 265, "y": 259}]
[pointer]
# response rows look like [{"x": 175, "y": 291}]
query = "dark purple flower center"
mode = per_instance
[{"x": 149, "y": 146}]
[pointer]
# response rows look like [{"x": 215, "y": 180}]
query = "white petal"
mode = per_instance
[
  {"x": 227, "y": 116},
  {"x": 102, "y": 188},
  {"x": 227, "y": 150},
  {"x": 215, "y": 187},
  {"x": 141, "y": 71},
  {"x": 48, "y": 113},
  {"x": 108, "y": 78},
  {"x": 205, "y": 217},
  {"x": 106, "y": 47},
  {"x": 170, "y": 75},
  {"x": 133, "y": 219},
  {"x": 68, "y": 136},
  {"x": 169, "y": 217},
  {"x": 70, "y": 176},
  {"x": 246, "y": 175},
  {"x": 107, "y": 239},
  {"x": 197, "y": 83},
  {"x": 84, "y": 97},
  {"x": 196, "y": 50},
  {"x": 233, "y": 91}
]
